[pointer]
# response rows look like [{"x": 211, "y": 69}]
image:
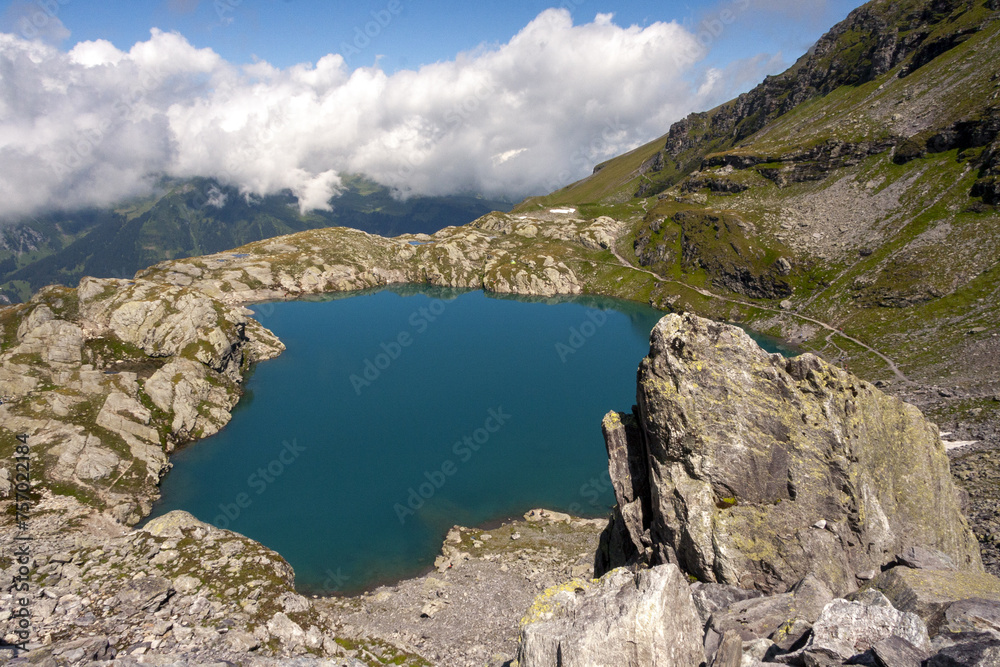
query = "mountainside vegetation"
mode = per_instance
[{"x": 860, "y": 188}]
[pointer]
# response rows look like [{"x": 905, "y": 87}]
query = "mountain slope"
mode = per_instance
[
  {"x": 858, "y": 189},
  {"x": 200, "y": 216},
  {"x": 880, "y": 38}
]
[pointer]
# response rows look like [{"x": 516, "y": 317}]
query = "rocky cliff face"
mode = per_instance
[
  {"x": 753, "y": 470},
  {"x": 630, "y": 619},
  {"x": 815, "y": 515}
]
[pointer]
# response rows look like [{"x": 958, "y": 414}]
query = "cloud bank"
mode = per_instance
[{"x": 98, "y": 124}]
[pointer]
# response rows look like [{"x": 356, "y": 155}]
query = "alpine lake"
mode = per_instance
[{"x": 395, "y": 414}]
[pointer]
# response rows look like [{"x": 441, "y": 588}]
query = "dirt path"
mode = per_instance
[{"x": 889, "y": 362}]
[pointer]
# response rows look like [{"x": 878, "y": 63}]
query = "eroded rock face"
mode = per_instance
[
  {"x": 175, "y": 321},
  {"x": 762, "y": 469},
  {"x": 199, "y": 408},
  {"x": 631, "y": 619}
]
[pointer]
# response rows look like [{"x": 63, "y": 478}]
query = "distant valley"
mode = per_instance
[{"x": 185, "y": 218}]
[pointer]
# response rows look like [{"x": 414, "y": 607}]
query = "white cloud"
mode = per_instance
[
  {"x": 216, "y": 197},
  {"x": 97, "y": 124}
]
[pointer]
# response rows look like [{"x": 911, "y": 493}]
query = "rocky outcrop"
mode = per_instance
[
  {"x": 722, "y": 245},
  {"x": 182, "y": 388},
  {"x": 805, "y": 625},
  {"x": 177, "y": 587},
  {"x": 934, "y": 594},
  {"x": 785, "y": 619},
  {"x": 631, "y": 619},
  {"x": 173, "y": 321},
  {"x": 961, "y": 135},
  {"x": 763, "y": 469},
  {"x": 715, "y": 184},
  {"x": 845, "y": 630},
  {"x": 105, "y": 380},
  {"x": 498, "y": 253},
  {"x": 818, "y": 162}
]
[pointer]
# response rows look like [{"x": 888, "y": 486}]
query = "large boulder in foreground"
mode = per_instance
[
  {"x": 630, "y": 619},
  {"x": 750, "y": 469}
]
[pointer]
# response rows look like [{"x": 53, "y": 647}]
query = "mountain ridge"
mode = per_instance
[
  {"x": 873, "y": 40},
  {"x": 199, "y": 216}
]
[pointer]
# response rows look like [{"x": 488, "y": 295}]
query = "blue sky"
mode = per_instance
[
  {"x": 406, "y": 33},
  {"x": 98, "y": 101}
]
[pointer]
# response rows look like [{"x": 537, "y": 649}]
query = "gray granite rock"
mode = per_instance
[{"x": 628, "y": 619}]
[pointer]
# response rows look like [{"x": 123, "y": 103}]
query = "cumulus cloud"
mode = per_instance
[{"x": 98, "y": 124}]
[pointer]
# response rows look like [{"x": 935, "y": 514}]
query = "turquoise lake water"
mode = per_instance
[{"x": 394, "y": 415}]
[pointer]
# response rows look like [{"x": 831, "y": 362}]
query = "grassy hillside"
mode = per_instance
[
  {"x": 859, "y": 188},
  {"x": 824, "y": 91}
]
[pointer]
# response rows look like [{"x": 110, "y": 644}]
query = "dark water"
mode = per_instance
[{"x": 394, "y": 415}]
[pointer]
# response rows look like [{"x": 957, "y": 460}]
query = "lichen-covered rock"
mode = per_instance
[
  {"x": 730, "y": 653},
  {"x": 763, "y": 469},
  {"x": 710, "y": 598},
  {"x": 83, "y": 457},
  {"x": 166, "y": 320},
  {"x": 920, "y": 558},
  {"x": 783, "y": 618},
  {"x": 973, "y": 615},
  {"x": 978, "y": 651},
  {"x": 931, "y": 593},
  {"x": 194, "y": 394},
  {"x": 178, "y": 524},
  {"x": 897, "y": 652},
  {"x": 847, "y": 629},
  {"x": 56, "y": 341},
  {"x": 627, "y": 619},
  {"x": 172, "y": 585},
  {"x": 125, "y": 415}
]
